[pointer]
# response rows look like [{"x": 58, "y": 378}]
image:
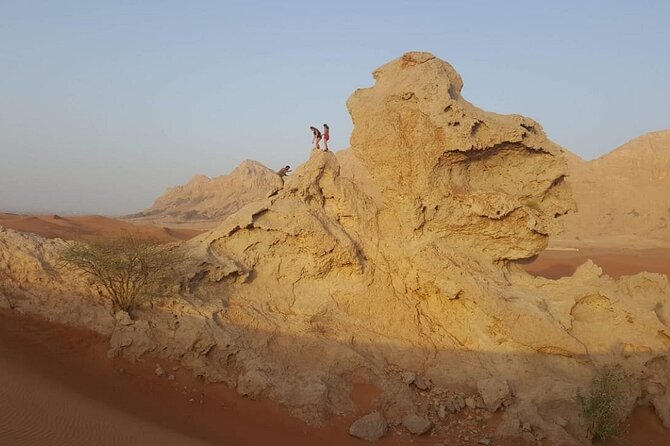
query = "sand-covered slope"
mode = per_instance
[
  {"x": 205, "y": 198},
  {"x": 299, "y": 295},
  {"x": 86, "y": 226},
  {"x": 624, "y": 193}
]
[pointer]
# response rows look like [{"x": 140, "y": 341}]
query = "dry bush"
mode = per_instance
[
  {"x": 603, "y": 407},
  {"x": 130, "y": 270}
]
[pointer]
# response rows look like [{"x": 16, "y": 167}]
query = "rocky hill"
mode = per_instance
[
  {"x": 204, "y": 198},
  {"x": 301, "y": 294},
  {"x": 625, "y": 193}
]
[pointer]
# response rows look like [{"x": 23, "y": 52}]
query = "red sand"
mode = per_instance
[{"x": 65, "y": 391}]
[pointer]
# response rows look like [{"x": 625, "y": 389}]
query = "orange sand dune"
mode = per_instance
[
  {"x": 66, "y": 391},
  {"x": 77, "y": 227}
]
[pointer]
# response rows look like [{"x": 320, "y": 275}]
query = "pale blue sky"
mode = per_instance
[{"x": 105, "y": 104}]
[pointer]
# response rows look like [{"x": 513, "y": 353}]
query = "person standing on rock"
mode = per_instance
[
  {"x": 283, "y": 171},
  {"x": 326, "y": 136},
  {"x": 316, "y": 137}
]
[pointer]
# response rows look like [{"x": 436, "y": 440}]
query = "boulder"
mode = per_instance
[
  {"x": 417, "y": 425},
  {"x": 371, "y": 427},
  {"x": 495, "y": 392}
]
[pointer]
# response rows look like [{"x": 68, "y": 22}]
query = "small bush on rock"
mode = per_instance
[
  {"x": 603, "y": 407},
  {"x": 130, "y": 270}
]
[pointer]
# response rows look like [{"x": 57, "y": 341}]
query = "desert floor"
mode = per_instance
[
  {"x": 59, "y": 388},
  {"x": 615, "y": 262},
  {"x": 88, "y": 226}
]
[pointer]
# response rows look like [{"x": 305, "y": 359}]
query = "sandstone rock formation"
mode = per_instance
[
  {"x": 450, "y": 167},
  {"x": 622, "y": 198},
  {"x": 319, "y": 285},
  {"x": 205, "y": 198},
  {"x": 352, "y": 169},
  {"x": 625, "y": 193}
]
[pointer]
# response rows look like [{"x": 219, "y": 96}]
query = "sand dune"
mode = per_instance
[
  {"x": 36, "y": 412},
  {"x": 77, "y": 227},
  {"x": 66, "y": 391}
]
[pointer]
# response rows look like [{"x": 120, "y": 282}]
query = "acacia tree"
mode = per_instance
[{"x": 130, "y": 270}]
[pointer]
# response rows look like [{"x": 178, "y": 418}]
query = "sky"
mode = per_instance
[{"x": 103, "y": 105}]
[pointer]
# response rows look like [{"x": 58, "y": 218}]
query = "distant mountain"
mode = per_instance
[
  {"x": 623, "y": 193},
  {"x": 204, "y": 198}
]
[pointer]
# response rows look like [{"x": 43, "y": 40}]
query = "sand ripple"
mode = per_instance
[{"x": 37, "y": 411}]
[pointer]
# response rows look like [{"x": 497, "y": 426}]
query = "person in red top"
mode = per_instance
[
  {"x": 326, "y": 136},
  {"x": 316, "y": 139}
]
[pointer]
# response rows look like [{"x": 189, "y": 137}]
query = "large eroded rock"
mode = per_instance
[
  {"x": 494, "y": 183},
  {"x": 299, "y": 294}
]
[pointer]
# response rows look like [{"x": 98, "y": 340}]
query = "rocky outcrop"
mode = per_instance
[
  {"x": 205, "y": 198},
  {"x": 319, "y": 285},
  {"x": 31, "y": 282},
  {"x": 621, "y": 197},
  {"x": 444, "y": 166}
]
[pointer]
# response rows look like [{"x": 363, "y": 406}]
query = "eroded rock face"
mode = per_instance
[
  {"x": 319, "y": 285},
  {"x": 31, "y": 282},
  {"x": 493, "y": 183}
]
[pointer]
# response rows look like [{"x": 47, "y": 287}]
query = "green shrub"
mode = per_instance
[
  {"x": 603, "y": 407},
  {"x": 130, "y": 270}
]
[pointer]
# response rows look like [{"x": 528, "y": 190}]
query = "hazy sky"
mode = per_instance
[{"x": 104, "y": 104}]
